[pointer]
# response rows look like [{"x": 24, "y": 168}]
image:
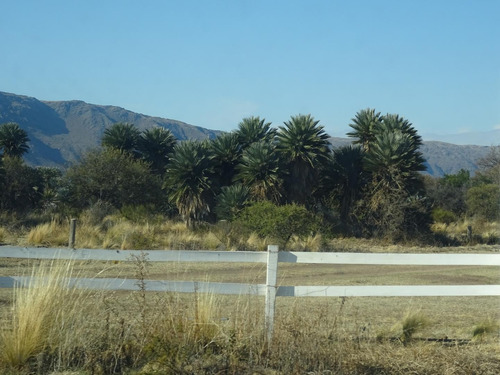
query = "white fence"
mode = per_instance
[{"x": 272, "y": 258}]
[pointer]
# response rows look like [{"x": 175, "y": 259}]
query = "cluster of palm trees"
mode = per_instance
[{"x": 291, "y": 164}]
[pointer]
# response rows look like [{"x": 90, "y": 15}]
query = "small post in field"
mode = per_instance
[
  {"x": 271, "y": 277},
  {"x": 72, "y": 233}
]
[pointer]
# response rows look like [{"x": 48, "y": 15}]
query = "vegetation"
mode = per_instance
[{"x": 374, "y": 190}]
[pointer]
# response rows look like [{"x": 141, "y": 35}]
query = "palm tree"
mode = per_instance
[
  {"x": 259, "y": 169},
  {"x": 392, "y": 123},
  {"x": 155, "y": 146},
  {"x": 13, "y": 140},
  {"x": 253, "y": 129},
  {"x": 121, "y": 136},
  {"x": 304, "y": 147},
  {"x": 231, "y": 201},
  {"x": 364, "y": 125},
  {"x": 348, "y": 177},
  {"x": 394, "y": 159},
  {"x": 226, "y": 153},
  {"x": 189, "y": 180}
]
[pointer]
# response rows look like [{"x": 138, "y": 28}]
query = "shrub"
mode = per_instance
[
  {"x": 440, "y": 215},
  {"x": 484, "y": 200},
  {"x": 278, "y": 222}
]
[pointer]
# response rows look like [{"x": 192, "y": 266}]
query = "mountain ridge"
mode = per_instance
[{"x": 61, "y": 131}]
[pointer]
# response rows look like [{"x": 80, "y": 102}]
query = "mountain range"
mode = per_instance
[{"x": 61, "y": 131}]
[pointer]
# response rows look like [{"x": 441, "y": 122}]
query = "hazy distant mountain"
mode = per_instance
[
  {"x": 441, "y": 158},
  {"x": 60, "y": 132},
  {"x": 487, "y": 138}
]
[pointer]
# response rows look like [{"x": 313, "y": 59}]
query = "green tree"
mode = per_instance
[
  {"x": 259, "y": 169},
  {"x": 304, "y": 148},
  {"x": 13, "y": 140},
  {"x": 22, "y": 185},
  {"x": 347, "y": 178},
  {"x": 113, "y": 177},
  {"x": 189, "y": 181},
  {"x": 394, "y": 204},
  {"x": 489, "y": 166},
  {"x": 364, "y": 125},
  {"x": 484, "y": 201},
  {"x": 253, "y": 129},
  {"x": 448, "y": 193},
  {"x": 155, "y": 146},
  {"x": 226, "y": 153},
  {"x": 121, "y": 136}
]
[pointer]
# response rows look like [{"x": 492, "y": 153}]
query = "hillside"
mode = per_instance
[{"x": 61, "y": 131}]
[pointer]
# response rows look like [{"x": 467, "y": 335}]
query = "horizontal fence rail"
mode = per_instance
[{"x": 253, "y": 256}]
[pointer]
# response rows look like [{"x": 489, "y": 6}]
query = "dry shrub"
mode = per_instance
[
  {"x": 3, "y": 234},
  {"x": 309, "y": 243},
  {"x": 49, "y": 234}
]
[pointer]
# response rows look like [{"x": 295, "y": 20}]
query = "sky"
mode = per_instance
[{"x": 213, "y": 63}]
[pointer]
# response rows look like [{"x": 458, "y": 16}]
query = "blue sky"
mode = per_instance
[{"x": 212, "y": 63}]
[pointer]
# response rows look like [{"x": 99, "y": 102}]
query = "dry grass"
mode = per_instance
[
  {"x": 49, "y": 234},
  {"x": 44, "y": 314},
  {"x": 166, "y": 333}
]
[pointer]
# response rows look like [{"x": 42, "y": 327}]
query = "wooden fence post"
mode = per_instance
[
  {"x": 72, "y": 233},
  {"x": 271, "y": 278}
]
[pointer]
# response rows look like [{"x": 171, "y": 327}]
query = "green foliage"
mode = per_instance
[
  {"x": 121, "y": 136},
  {"x": 346, "y": 178},
  {"x": 111, "y": 176},
  {"x": 226, "y": 153},
  {"x": 446, "y": 196},
  {"x": 253, "y": 129},
  {"x": 457, "y": 180},
  {"x": 278, "y": 222},
  {"x": 155, "y": 146},
  {"x": 303, "y": 146},
  {"x": 259, "y": 170},
  {"x": 484, "y": 201},
  {"x": 363, "y": 125},
  {"x": 443, "y": 216},
  {"x": 13, "y": 140},
  {"x": 189, "y": 181},
  {"x": 231, "y": 201},
  {"x": 22, "y": 186}
]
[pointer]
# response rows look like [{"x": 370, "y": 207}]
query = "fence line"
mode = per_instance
[{"x": 271, "y": 290}]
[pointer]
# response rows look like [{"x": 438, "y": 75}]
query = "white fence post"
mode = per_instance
[{"x": 271, "y": 278}]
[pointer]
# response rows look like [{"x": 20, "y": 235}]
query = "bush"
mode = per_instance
[
  {"x": 278, "y": 222},
  {"x": 443, "y": 216},
  {"x": 113, "y": 177},
  {"x": 483, "y": 201}
]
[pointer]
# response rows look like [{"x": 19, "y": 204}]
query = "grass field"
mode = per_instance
[{"x": 165, "y": 333}]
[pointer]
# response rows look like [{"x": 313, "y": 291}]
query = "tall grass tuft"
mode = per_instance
[
  {"x": 43, "y": 314},
  {"x": 484, "y": 328},
  {"x": 48, "y": 234},
  {"x": 412, "y": 323}
]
